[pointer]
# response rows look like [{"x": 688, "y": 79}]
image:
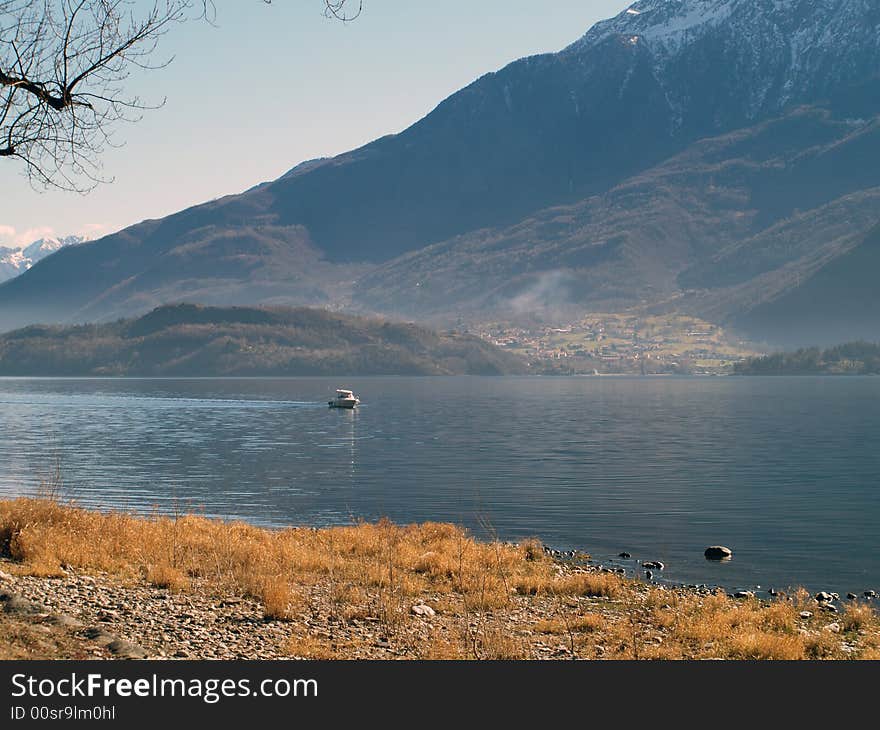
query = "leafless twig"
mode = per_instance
[{"x": 65, "y": 67}]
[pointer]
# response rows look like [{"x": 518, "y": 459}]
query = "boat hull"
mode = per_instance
[{"x": 343, "y": 403}]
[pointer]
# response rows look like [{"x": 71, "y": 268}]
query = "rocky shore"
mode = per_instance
[
  {"x": 75, "y": 583},
  {"x": 104, "y": 618},
  {"x": 97, "y": 616}
]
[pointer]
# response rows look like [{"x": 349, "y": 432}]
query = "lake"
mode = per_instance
[{"x": 784, "y": 471}]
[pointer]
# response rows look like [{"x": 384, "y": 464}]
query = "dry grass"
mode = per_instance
[
  {"x": 858, "y": 616},
  {"x": 279, "y": 601},
  {"x": 754, "y": 644},
  {"x": 495, "y": 644},
  {"x": 493, "y": 600},
  {"x": 607, "y": 585},
  {"x": 670, "y": 624},
  {"x": 308, "y": 646},
  {"x": 165, "y": 576},
  {"x": 583, "y": 624},
  {"x": 25, "y": 639},
  {"x": 396, "y": 563}
]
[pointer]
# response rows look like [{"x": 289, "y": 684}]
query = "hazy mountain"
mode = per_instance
[
  {"x": 15, "y": 260},
  {"x": 679, "y": 154},
  {"x": 715, "y": 217},
  {"x": 188, "y": 340}
]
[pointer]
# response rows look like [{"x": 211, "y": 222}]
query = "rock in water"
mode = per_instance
[
  {"x": 744, "y": 594},
  {"x": 718, "y": 552},
  {"x": 625, "y": 556},
  {"x": 824, "y": 597},
  {"x": 653, "y": 565}
]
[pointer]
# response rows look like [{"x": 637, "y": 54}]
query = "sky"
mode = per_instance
[{"x": 269, "y": 86}]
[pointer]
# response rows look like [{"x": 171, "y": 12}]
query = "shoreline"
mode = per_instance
[
  {"x": 77, "y": 584},
  {"x": 632, "y": 568}
]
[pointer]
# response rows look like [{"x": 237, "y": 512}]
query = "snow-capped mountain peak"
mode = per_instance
[
  {"x": 15, "y": 261},
  {"x": 752, "y": 56},
  {"x": 665, "y": 21}
]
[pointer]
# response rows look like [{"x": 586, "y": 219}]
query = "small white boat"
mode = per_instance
[{"x": 344, "y": 399}]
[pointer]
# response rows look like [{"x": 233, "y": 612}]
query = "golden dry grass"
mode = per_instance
[
  {"x": 582, "y": 624},
  {"x": 493, "y": 600},
  {"x": 857, "y": 616},
  {"x": 164, "y": 575},
  {"x": 307, "y": 646},
  {"x": 398, "y": 562}
]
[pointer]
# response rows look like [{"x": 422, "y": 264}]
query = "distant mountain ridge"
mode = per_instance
[{"x": 707, "y": 155}]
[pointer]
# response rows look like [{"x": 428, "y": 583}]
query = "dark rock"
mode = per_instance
[
  {"x": 824, "y": 597},
  {"x": 625, "y": 556},
  {"x": 126, "y": 650},
  {"x": 718, "y": 552},
  {"x": 21, "y": 606},
  {"x": 653, "y": 565},
  {"x": 851, "y": 596},
  {"x": 64, "y": 621},
  {"x": 649, "y": 575},
  {"x": 744, "y": 594},
  {"x": 870, "y": 594},
  {"x": 98, "y": 635}
]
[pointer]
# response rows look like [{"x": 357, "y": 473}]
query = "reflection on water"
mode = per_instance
[{"x": 784, "y": 471}]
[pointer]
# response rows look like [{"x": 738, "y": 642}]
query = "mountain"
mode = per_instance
[
  {"x": 699, "y": 230},
  {"x": 679, "y": 155},
  {"x": 14, "y": 261},
  {"x": 189, "y": 340}
]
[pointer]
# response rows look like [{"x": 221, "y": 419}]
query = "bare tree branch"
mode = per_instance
[{"x": 64, "y": 65}]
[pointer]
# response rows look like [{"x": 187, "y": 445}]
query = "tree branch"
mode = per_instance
[{"x": 64, "y": 65}]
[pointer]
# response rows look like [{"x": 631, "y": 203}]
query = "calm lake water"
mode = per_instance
[{"x": 785, "y": 471}]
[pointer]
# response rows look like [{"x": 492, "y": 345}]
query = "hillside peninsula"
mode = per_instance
[
  {"x": 853, "y": 358},
  {"x": 188, "y": 340}
]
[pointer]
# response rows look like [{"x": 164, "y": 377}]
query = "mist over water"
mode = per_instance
[{"x": 784, "y": 471}]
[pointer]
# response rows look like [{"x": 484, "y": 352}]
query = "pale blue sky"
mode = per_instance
[{"x": 273, "y": 85}]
